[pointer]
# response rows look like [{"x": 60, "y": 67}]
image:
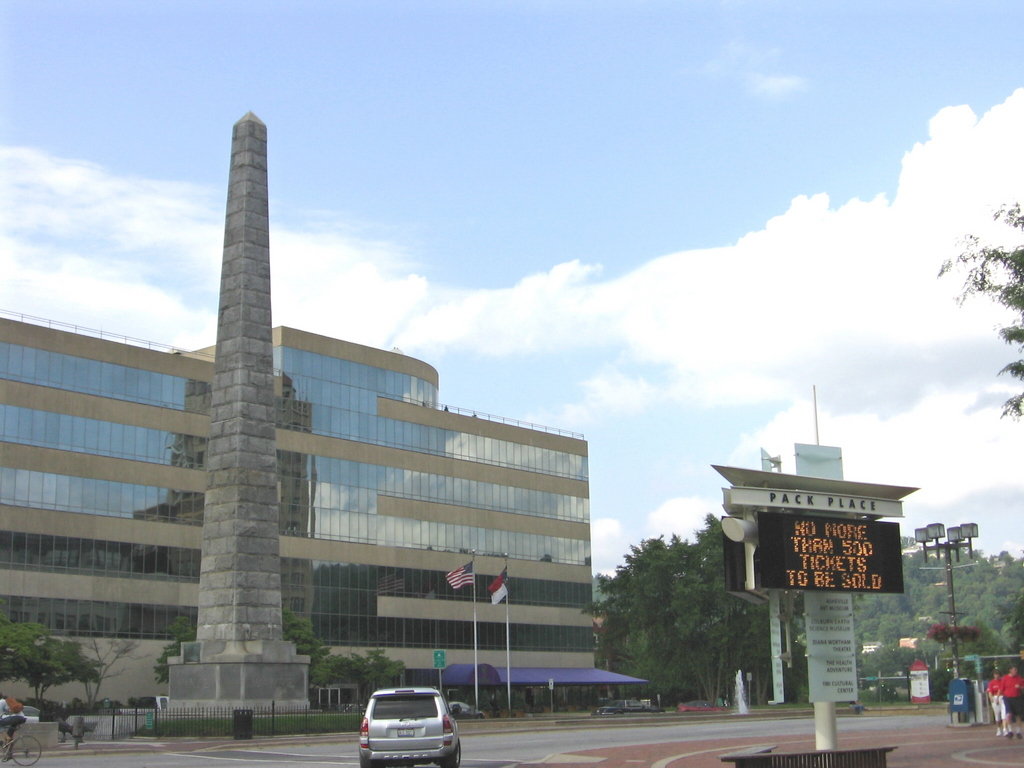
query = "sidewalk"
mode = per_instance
[{"x": 142, "y": 746}]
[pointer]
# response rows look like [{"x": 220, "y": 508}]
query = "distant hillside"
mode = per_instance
[{"x": 984, "y": 592}]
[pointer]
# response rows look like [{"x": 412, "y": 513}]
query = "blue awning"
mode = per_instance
[{"x": 462, "y": 674}]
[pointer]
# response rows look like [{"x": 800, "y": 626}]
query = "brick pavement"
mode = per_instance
[{"x": 924, "y": 747}]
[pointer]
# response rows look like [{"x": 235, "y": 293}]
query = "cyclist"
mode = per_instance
[{"x": 9, "y": 720}]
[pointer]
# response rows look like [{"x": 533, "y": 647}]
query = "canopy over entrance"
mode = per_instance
[{"x": 462, "y": 674}]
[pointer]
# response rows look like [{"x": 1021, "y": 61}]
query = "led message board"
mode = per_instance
[{"x": 830, "y": 554}]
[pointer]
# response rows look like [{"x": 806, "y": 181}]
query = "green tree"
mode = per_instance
[
  {"x": 369, "y": 672},
  {"x": 1015, "y": 622},
  {"x": 19, "y": 641},
  {"x": 299, "y": 630},
  {"x": 54, "y": 662},
  {"x": 34, "y": 656},
  {"x": 667, "y": 619},
  {"x": 998, "y": 273},
  {"x": 183, "y": 631}
]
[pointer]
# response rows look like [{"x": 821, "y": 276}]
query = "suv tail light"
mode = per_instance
[
  {"x": 364, "y": 734},
  {"x": 449, "y": 732}
]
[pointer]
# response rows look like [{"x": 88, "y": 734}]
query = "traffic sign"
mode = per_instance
[{"x": 440, "y": 659}]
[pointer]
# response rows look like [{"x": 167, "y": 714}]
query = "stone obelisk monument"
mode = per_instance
[{"x": 239, "y": 657}]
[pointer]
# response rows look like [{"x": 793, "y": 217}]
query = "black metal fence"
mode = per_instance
[{"x": 218, "y": 722}]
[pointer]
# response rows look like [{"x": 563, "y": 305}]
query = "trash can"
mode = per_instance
[{"x": 241, "y": 723}]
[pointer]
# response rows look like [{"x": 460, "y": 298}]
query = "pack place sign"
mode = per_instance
[
  {"x": 830, "y": 554},
  {"x": 812, "y": 502}
]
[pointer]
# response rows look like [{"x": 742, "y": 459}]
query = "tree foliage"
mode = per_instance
[
  {"x": 33, "y": 656},
  {"x": 369, "y": 672},
  {"x": 18, "y": 639},
  {"x": 55, "y": 662},
  {"x": 299, "y": 630},
  {"x": 666, "y": 618},
  {"x": 986, "y": 593},
  {"x": 183, "y": 631},
  {"x": 998, "y": 273}
]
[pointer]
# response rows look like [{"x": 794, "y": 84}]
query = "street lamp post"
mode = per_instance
[{"x": 957, "y": 537}]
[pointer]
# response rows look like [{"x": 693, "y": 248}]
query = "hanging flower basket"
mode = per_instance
[{"x": 943, "y": 633}]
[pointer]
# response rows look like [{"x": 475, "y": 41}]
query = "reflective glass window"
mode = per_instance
[
  {"x": 72, "y": 433},
  {"x": 77, "y": 374}
]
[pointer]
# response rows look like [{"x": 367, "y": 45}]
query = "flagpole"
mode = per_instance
[
  {"x": 476, "y": 663},
  {"x": 508, "y": 644}
]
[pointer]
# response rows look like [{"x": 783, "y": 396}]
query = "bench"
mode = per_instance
[{"x": 874, "y": 757}]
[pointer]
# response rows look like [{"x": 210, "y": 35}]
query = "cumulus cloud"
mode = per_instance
[
  {"x": 141, "y": 258},
  {"x": 606, "y": 544},
  {"x": 542, "y": 313},
  {"x": 950, "y": 444},
  {"x": 681, "y": 516},
  {"x": 841, "y": 294},
  {"x": 338, "y": 285},
  {"x": 610, "y": 390},
  {"x": 821, "y": 292}
]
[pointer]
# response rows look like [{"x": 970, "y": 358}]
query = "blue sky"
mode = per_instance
[{"x": 659, "y": 224}]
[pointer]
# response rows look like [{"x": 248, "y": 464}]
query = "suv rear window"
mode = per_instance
[{"x": 395, "y": 707}]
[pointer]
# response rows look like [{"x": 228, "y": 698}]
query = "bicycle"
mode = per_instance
[{"x": 24, "y": 750}]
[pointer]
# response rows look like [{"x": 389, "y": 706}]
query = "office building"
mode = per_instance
[{"x": 383, "y": 490}]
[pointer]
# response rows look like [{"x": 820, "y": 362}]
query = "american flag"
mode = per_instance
[{"x": 460, "y": 577}]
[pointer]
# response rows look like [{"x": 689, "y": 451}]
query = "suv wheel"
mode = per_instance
[{"x": 453, "y": 760}]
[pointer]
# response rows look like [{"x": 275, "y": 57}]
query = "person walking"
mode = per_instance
[
  {"x": 1013, "y": 702},
  {"x": 995, "y": 701}
]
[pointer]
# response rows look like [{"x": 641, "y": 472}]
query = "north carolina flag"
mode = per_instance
[{"x": 499, "y": 587}]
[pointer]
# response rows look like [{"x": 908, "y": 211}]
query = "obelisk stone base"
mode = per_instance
[{"x": 239, "y": 674}]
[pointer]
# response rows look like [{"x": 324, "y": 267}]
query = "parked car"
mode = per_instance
[
  {"x": 625, "y": 707},
  {"x": 408, "y": 726},
  {"x": 463, "y": 711},
  {"x": 153, "y": 702},
  {"x": 31, "y": 714},
  {"x": 700, "y": 706}
]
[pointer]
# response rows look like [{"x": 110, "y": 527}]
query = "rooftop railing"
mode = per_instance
[{"x": 159, "y": 347}]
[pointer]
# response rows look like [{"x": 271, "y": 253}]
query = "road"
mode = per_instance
[{"x": 922, "y": 740}]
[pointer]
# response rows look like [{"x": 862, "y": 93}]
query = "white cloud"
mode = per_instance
[
  {"x": 757, "y": 68},
  {"x": 142, "y": 258},
  {"x": 750, "y": 322},
  {"x": 334, "y": 284},
  {"x": 786, "y": 305},
  {"x": 542, "y": 312},
  {"x": 842, "y": 295},
  {"x": 775, "y": 86},
  {"x": 681, "y": 516},
  {"x": 952, "y": 445},
  {"x": 610, "y": 391},
  {"x": 607, "y": 539}
]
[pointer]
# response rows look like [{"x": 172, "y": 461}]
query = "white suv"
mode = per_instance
[{"x": 408, "y": 726}]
